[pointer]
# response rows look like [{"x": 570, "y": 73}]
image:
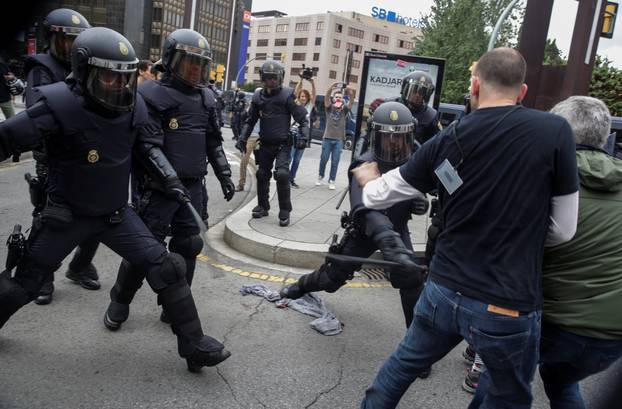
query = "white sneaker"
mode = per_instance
[
  {"x": 320, "y": 181},
  {"x": 331, "y": 185}
]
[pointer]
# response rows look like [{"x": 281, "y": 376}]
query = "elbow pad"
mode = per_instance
[{"x": 156, "y": 162}]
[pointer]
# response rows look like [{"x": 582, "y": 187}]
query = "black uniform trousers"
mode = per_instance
[
  {"x": 265, "y": 157},
  {"x": 236, "y": 125},
  {"x": 363, "y": 246},
  {"x": 49, "y": 243},
  {"x": 163, "y": 216}
]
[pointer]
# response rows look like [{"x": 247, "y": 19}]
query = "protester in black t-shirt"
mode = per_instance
[{"x": 508, "y": 186}]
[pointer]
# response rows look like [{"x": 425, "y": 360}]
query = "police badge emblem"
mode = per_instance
[
  {"x": 393, "y": 115},
  {"x": 202, "y": 43},
  {"x": 173, "y": 124},
  {"x": 93, "y": 156},
  {"x": 123, "y": 48},
  {"x": 75, "y": 19}
]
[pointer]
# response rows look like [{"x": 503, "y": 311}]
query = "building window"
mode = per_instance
[
  {"x": 256, "y": 70},
  {"x": 264, "y": 29},
  {"x": 299, "y": 56},
  {"x": 354, "y": 47},
  {"x": 318, "y": 40},
  {"x": 354, "y": 78},
  {"x": 300, "y": 41},
  {"x": 336, "y": 43},
  {"x": 316, "y": 56},
  {"x": 295, "y": 71},
  {"x": 319, "y": 26},
  {"x": 276, "y": 56},
  {"x": 381, "y": 39},
  {"x": 332, "y": 74},
  {"x": 262, "y": 43},
  {"x": 338, "y": 28},
  {"x": 302, "y": 26},
  {"x": 260, "y": 56},
  {"x": 354, "y": 32},
  {"x": 405, "y": 44},
  {"x": 279, "y": 42},
  {"x": 281, "y": 28},
  {"x": 155, "y": 40},
  {"x": 249, "y": 43},
  {"x": 334, "y": 59},
  {"x": 157, "y": 14}
]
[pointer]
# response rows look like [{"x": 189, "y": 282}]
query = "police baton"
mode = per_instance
[
  {"x": 185, "y": 200},
  {"x": 342, "y": 198},
  {"x": 341, "y": 258}
]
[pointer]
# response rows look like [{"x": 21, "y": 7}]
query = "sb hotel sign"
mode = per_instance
[{"x": 394, "y": 17}]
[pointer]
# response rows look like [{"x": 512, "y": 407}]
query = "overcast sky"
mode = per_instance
[{"x": 562, "y": 20}]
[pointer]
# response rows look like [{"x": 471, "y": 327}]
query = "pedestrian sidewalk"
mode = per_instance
[{"x": 313, "y": 220}]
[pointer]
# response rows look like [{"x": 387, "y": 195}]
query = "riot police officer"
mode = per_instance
[
  {"x": 366, "y": 230},
  {"x": 91, "y": 126},
  {"x": 276, "y": 105},
  {"x": 61, "y": 28},
  {"x": 185, "y": 109},
  {"x": 238, "y": 107},
  {"x": 417, "y": 89}
]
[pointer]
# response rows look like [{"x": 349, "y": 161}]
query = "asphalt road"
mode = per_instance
[{"x": 61, "y": 356}]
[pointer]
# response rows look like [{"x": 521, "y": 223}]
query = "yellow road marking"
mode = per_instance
[{"x": 278, "y": 279}]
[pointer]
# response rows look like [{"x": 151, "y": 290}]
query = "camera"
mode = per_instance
[{"x": 308, "y": 73}]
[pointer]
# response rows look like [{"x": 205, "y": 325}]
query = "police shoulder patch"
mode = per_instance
[
  {"x": 93, "y": 156},
  {"x": 173, "y": 124}
]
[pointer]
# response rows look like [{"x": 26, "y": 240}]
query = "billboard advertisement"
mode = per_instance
[
  {"x": 382, "y": 78},
  {"x": 246, "y": 26}
]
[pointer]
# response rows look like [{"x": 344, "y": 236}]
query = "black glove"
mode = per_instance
[
  {"x": 419, "y": 206},
  {"x": 228, "y": 187},
  {"x": 174, "y": 189},
  {"x": 241, "y": 145},
  {"x": 410, "y": 275},
  {"x": 301, "y": 141}
]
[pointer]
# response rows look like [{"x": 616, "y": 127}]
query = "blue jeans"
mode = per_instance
[
  {"x": 296, "y": 156},
  {"x": 332, "y": 148},
  {"x": 566, "y": 359},
  {"x": 443, "y": 317}
]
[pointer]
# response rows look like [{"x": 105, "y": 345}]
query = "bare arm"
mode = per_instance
[
  {"x": 298, "y": 87},
  {"x": 312, "y": 91},
  {"x": 329, "y": 91},
  {"x": 350, "y": 93}
]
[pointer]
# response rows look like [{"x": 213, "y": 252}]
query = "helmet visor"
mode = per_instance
[
  {"x": 418, "y": 93},
  {"x": 392, "y": 144},
  {"x": 61, "y": 43},
  {"x": 114, "y": 89},
  {"x": 191, "y": 68}
]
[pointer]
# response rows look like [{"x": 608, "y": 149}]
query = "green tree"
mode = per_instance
[
  {"x": 249, "y": 86},
  {"x": 459, "y": 31},
  {"x": 552, "y": 54},
  {"x": 606, "y": 85}
]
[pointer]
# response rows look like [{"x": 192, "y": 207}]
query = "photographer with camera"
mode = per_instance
[
  {"x": 305, "y": 99},
  {"x": 335, "y": 131}
]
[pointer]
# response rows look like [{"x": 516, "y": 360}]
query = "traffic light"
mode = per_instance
[
  {"x": 609, "y": 20},
  {"x": 220, "y": 71}
]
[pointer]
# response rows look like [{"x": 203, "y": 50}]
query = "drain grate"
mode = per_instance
[{"x": 373, "y": 274}]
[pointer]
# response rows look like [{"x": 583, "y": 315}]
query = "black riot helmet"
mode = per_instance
[
  {"x": 62, "y": 26},
  {"x": 187, "y": 56},
  {"x": 417, "y": 88},
  {"x": 272, "y": 70},
  {"x": 392, "y": 134},
  {"x": 104, "y": 65}
]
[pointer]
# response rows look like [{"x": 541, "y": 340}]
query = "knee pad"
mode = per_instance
[
  {"x": 170, "y": 271},
  {"x": 187, "y": 247},
  {"x": 263, "y": 174},
  {"x": 281, "y": 175}
]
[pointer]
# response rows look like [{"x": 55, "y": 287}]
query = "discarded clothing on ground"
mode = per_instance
[{"x": 310, "y": 304}]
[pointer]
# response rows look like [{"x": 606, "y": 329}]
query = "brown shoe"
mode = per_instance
[{"x": 240, "y": 188}]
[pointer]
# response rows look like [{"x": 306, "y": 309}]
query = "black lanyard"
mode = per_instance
[{"x": 490, "y": 131}]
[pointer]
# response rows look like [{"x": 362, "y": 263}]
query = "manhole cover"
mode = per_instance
[{"x": 373, "y": 274}]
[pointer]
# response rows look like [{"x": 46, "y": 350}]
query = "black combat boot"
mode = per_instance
[
  {"x": 87, "y": 278},
  {"x": 283, "y": 218},
  {"x": 116, "y": 314},
  {"x": 259, "y": 212},
  {"x": 44, "y": 296},
  {"x": 319, "y": 280}
]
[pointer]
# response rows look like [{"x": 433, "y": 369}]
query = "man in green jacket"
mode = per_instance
[{"x": 582, "y": 278}]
